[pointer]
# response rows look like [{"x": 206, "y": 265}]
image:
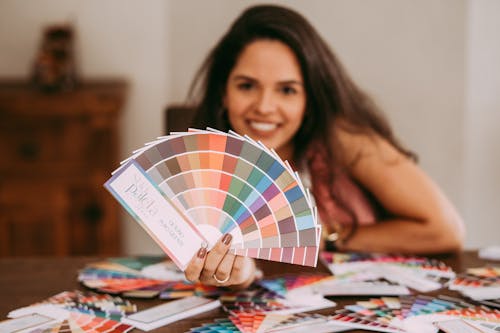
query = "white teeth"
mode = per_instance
[{"x": 265, "y": 127}]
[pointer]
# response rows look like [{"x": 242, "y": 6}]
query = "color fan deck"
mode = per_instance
[{"x": 220, "y": 183}]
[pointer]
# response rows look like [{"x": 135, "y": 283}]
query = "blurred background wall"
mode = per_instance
[{"x": 432, "y": 66}]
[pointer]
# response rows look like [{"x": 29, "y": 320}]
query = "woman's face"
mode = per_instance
[{"x": 265, "y": 95}]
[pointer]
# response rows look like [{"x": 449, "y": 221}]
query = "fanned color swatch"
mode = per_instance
[{"x": 222, "y": 183}]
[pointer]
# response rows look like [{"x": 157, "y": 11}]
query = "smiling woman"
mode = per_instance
[{"x": 273, "y": 78}]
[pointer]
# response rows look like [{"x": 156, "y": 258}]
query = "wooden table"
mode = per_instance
[{"x": 24, "y": 281}]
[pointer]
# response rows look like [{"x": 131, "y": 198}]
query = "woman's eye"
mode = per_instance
[
  {"x": 245, "y": 86},
  {"x": 287, "y": 90}
]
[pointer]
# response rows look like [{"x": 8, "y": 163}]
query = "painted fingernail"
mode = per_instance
[
  {"x": 202, "y": 252},
  {"x": 227, "y": 239}
]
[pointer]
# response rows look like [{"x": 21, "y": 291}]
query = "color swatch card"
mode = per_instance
[
  {"x": 83, "y": 323},
  {"x": 222, "y": 325},
  {"x": 418, "y": 273},
  {"x": 170, "y": 312},
  {"x": 142, "y": 277},
  {"x": 71, "y": 317},
  {"x": 478, "y": 277},
  {"x": 27, "y": 323},
  {"x": 416, "y": 313},
  {"x": 462, "y": 326},
  {"x": 272, "y": 323},
  {"x": 340, "y": 263},
  {"x": 284, "y": 284},
  {"x": 264, "y": 301},
  {"x": 188, "y": 189},
  {"x": 480, "y": 283},
  {"x": 364, "y": 288},
  {"x": 98, "y": 305},
  {"x": 478, "y": 318},
  {"x": 354, "y": 320}
]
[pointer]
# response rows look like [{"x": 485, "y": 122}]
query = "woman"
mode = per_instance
[{"x": 272, "y": 77}]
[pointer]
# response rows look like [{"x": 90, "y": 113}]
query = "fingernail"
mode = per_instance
[
  {"x": 227, "y": 239},
  {"x": 202, "y": 252}
]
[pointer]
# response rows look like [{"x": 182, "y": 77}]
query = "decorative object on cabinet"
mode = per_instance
[
  {"x": 54, "y": 66},
  {"x": 57, "y": 150}
]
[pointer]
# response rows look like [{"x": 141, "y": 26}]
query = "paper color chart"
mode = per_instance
[{"x": 226, "y": 183}]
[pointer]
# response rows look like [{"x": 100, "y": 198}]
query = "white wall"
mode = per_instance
[
  {"x": 420, "y": 60},
  {"x": 482, "y": 119}
]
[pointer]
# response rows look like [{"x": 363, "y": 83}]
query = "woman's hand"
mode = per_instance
[{"x": 217, "y": 267}]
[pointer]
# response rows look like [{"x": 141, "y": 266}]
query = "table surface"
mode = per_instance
[{"x": 24, "y": 281}]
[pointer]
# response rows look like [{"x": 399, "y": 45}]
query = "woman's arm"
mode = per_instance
[{"x": 423, "y": 219}]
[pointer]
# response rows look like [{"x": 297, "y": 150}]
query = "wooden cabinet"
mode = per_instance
[{"x": 56, "y": 151}]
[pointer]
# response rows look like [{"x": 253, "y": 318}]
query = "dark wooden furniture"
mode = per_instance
[
  {"x": 177, "y": 118},
  {"x": 29, "y": 280},
  {"x": 56, "y": 152}
]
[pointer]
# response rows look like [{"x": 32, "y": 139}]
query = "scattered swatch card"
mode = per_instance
[
  {"x": 418, "y": 273},
  {"x": 26, "y": 323},
  {"x": 304, "y": 322},
  {"x": 412, "y": 314},
  {"x": 170, "y": 312},
  {"x": 264, "y": 301},
  {"x": 478, "y": 277},
  {"x": 83, "y": 323},
  {"x": 351, "y": 261},
  {"x": 354, "y": 320},
  {"x": 484, "y": 326},
  {"x": 252, "y": 322},
  {"x": 222, "y": 325},
  {"x": 480, "y": 313},
  {"x": 363, "y": 288},
  {"x": 93, "y": 304},
  {"x": 69, "y": 320},
  {"x": 142, "y": 277},
  {"x": 480, "y": 283},
  {"x": 188, "y": 189},
  {"x": 457, "y": 326},
  {"x": 283, "y": 284}
]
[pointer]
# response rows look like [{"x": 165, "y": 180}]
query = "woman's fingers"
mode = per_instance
[
  {"x": 243, "y": 270},
  {"x": 214, "y": 259},
  {"x": 223, "y": 271},
  {"x": 220, "y": 268},
  {"x": 195, "y": 266}
]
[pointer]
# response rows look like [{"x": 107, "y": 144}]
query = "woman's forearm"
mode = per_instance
[{"x": 407, "y": 236}]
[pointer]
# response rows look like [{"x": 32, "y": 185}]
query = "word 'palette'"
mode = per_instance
[{"x": 190, "y": 188}]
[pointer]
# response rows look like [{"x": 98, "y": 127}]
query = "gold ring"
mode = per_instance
[{"x": 221, "y": 281}]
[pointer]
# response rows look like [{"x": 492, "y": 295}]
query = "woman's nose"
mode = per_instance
[{"x": 266, "y": 102}]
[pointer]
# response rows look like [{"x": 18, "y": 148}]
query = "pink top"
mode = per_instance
[{"x": 346, "y": 190}]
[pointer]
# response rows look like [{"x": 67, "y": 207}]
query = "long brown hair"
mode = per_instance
[{"x": 331, "y": 94}]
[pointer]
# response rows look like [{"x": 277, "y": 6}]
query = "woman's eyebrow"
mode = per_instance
[
  {"x": 249, "y": 78},
  {"x": 292, "y": 81},
  {"x": 244, "y": 77}
]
